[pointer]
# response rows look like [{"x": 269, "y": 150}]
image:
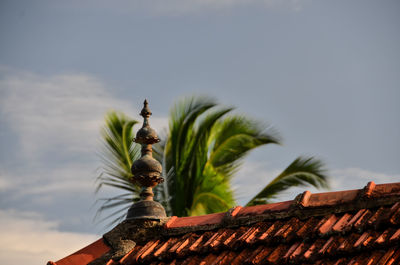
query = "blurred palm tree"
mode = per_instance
[{"x": 203, "y": 149}]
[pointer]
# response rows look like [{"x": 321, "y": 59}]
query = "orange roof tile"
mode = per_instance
[
  {"x": 345, "y": 227},
  {"x": 85, "y": 255}
]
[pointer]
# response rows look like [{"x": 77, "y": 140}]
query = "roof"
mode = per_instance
[{"x": 344, "y": 227}]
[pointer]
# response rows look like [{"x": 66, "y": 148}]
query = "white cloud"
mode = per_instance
[
  {"x": 4, "y": 183},
  {"x": 53, "y": 116},
  {"x": 56, "y": 121},
  {"x": 71, "y": 176},
  {"x": 61, "y": 113},
  {"x": 356, "y": 178},
  {"x": 252, "y": 177},
  {"x": 26, "y": 238}
]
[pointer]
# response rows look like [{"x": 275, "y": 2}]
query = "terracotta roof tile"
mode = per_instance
[
  {"x": 299, "y": 251},
  {"x": 387, "y": 255},
  {"x": 208, "y": 219},
  {"x": 147, "y": 253},
  {"x": 209, "y": 259},
  {"x": 241, "y": 256},
  {"x": 277, "y": 254},
  {"x": 346, "y": 227},
  {"x": 85, "y": 255},
  {"x": 194, "y": 261},
  {"x": 332, "y": 198},
  {"x": 395, "y": 258},
  {"x": 359, "y": 224},
  {"x": 287, "y": 231},
  {"x": 286, "y": 256},
  {"x": 342, "y": 223},
  {"x": 307, "y": 227},
  {"x": 268, "y": 231},
  {"x": 225, "y": 257},
  {"x": 395, "y": 236},
  {"x": 112, "y": 262},
  {"x": 164, "y": 247},
  {"x": 129, "y": 258},
  {"x": 383, "y": 237},
  {"x": 261, "y": 254},
  {"x": 230, "y": 240},
  {"x": 327, "y": 225},
  {"x": 395, "y": 219},
  {"x": 327, "y": 244},
  {"x": 198, "y": 244}
]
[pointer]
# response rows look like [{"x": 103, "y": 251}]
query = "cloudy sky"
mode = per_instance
[{"x": 326, "y": 74}]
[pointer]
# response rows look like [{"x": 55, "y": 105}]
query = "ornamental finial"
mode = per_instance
[{"x": 146, "y": 172}]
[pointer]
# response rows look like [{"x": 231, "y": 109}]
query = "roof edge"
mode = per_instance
[
  {"x": 303, "y": 206},
  {"x": 86, "y": 254}
]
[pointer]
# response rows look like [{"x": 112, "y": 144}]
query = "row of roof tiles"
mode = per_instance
[
  {"x": 280, "y": 242},
  {"x": 352, "y": 199},
  {"x": 390, "y": 256},
  {"x": 346, "y": 227}
]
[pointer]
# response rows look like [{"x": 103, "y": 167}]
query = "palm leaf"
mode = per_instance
[
  {"x": 180, "y": 149},
  {"x": 207, "y": 202},
  {"x": 117, "y": 154},
  {"x": 301, "y": 172},
  {"x": 235, "y": 136},
  {"x": 197, "y": 156},
  {"x": 182, "y": 119}
]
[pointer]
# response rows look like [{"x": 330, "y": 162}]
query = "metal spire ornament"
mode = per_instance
[{"x": 146, "y": 172}]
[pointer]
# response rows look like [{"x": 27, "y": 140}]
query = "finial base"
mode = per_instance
[{"x": 149, "y": 210}]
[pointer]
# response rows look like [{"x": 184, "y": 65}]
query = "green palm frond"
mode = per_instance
[
  {"x": 180, "y": 150},
  {"x": 235, "y": 137},
  {"x": 119, "y": 150},
  {"x": 207, "y": 202},
  {"x": 117, "y": 154},
  {"x": 203, "y": 151},
  {"x": 199, "y": 150},
  {"x": 182, "y": 118},
  {"x": 301, "y": 172}
]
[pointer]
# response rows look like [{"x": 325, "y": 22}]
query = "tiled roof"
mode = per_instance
[
  {"x": 85, "y": 255},
  {"x": 345, "y": 227}
]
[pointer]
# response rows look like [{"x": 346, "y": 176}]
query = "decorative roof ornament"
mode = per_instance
[{"x": 146, "y": 172}]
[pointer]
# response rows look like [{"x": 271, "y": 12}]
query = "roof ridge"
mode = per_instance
[{"x": 304, "y": 205}]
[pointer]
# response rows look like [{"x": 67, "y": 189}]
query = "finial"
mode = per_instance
[
  {"x": 145, "y": 113},
  {"x": 146, "y": 172}
]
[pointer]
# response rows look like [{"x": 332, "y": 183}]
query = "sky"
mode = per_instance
[{"x": 325, "y": 74}]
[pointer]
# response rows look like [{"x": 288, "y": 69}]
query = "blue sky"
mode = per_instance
[{"x": 326, "y": 74}]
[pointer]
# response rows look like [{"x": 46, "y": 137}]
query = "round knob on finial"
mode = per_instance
[
  {"x": 146, "y": 135},
  {"x": 145, "y": 113}
]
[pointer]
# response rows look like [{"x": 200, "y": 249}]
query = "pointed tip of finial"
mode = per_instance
[{"x": 145, "y": 113}]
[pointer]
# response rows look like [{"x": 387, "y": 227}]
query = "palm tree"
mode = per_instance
[{"x": 203, "y": 149}]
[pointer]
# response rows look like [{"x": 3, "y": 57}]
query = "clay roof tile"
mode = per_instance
[{"x": 345, "y": 227}]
